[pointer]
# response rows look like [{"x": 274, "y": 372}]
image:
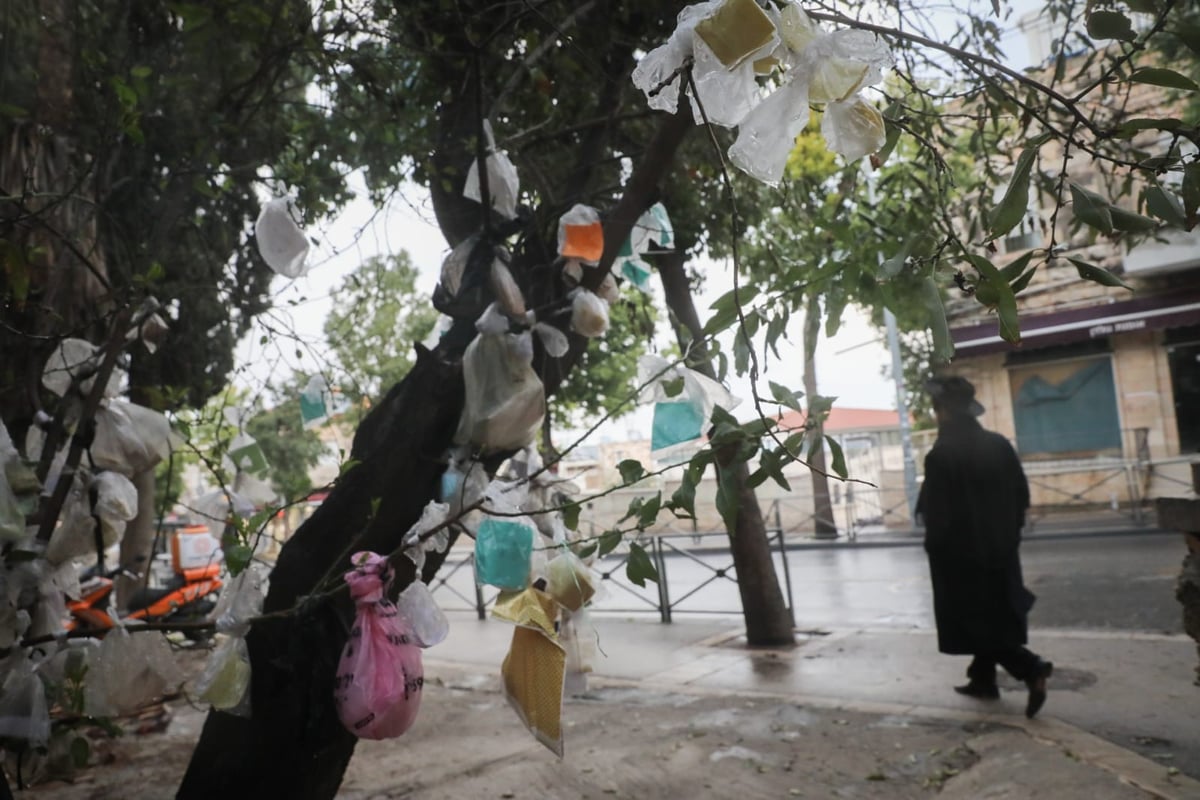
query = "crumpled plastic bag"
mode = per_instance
[
  {"x": 658, "y": 65},
  {"x": 75, "y": 533},
  {"x": 504, "y": 287},
  {"x": 505, "y": 400},
  {"x": 589, "y": 314},
  {"x": 130, "y": 438},
  {"x": 463, "y": 483},
  {"x": 853, "y": 128},
  {"x": 23, "y": 709},
  {"x": 73, "y": 358},
  {"x": 281, "y": 243},
  {"x": 652, "y": 227},
  {"x": 504, "y": 544},
  {"x": 429, "y": 624},
  {"x": 225, "y": 682},
  {"x": 580, "y": 235},
  {"x": 379, "y": 679},
  {"x": 116, "y": 503},
  {"x": 679, "y": 418},
  {"x": 579, "y": 642},
  {"x": 127, "y": 671},
  {"x": 767, "y": 134},
  {"x": 553, "y": 340},
  {"x": 504, "y": 185},
  {"x": 569, "y": 581},
  {"x": 415, "y": 542}
]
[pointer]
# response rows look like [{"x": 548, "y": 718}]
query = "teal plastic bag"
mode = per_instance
[
  {"x": 503, "y": 549},
  {"x": 675, "y": 423}
]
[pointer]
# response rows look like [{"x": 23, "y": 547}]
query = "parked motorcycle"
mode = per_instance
[{"x": 190, "y": 595}]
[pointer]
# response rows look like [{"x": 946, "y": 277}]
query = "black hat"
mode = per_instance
[{"x": 954, "y": 392}]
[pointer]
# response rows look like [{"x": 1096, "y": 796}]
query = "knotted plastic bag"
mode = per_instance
[
  {"x": 504, "y": 185},
  {"x": 503, "y": 548},
  {"x": 505, "y": 401},
  {"x": 589, "y": 314},
  {"x": 280, "y": 241},
  {"x": 580, "y": 235},
  {"x": 225, "y": 682},
  {"x": 130, "y": 438},
  {"x": 681, "y": 413},
  {"x": 429, "y": 624},
  {"x": 379, "y": 679},
  {"x": 77, "y": 359}
]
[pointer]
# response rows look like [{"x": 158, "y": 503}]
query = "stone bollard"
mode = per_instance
[{"x": 1184, "y": 515}]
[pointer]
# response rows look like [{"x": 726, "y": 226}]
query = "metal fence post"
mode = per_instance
[
  {"x": 480, "y": 606},
  {"x": 664, "y": 592},
  {"x": 787, "y": 578}
]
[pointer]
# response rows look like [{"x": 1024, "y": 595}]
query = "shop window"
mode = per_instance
[
  {"x": 1183, "y": 356},
  {"x": 1066, "y": 409}
]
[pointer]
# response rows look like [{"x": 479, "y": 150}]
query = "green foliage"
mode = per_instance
[
  {"x": 291, "y": 449},
  {"x": 377, "y": 316},
  {"x": 639, "y": 568}
]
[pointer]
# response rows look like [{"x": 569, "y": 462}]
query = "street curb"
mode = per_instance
[{"x": 1126, "y": 765}]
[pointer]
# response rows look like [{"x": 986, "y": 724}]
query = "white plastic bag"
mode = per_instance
[
  {"x": 23, "y": 711},
  {"x": 504, "y": 185},
  {"x": 429, "y": 624},
  {"x": 12, "y": 516},
  {"x": 130, "y": 438},
  {"x": 554, "y": 340},
  {"x": 589, "y": 314},
  {"x": 681, "y": 417},
  {"x": 116, "y": 503},
  {"x": 225, "y": 682},
  {"x": 504, "y": 287},
  {"x": 767, "y": 134},
  {"x": 75, "y": 533},
  {"x": 505, "y": 401},
  {"x": 75, "y": 358},
  {"x": 128, "y": 671},
  {"x": 280, "y": 241},
  {"x": 415, "y": 547}
]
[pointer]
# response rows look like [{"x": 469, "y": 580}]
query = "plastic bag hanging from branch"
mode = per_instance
[
  {"x": 580, "y": 235},
  {"x": 683, "y": 402},
  {"x": 225, "y": 682},
  {"x": 130, "y": 438},
  {"x": 77, "y": 360},
  {"x": 379, "y": 679},
  {"x": 505, "y": 400},
  {"x": 589, "y": 314},
  {"x": 281, "y": 243},
  {"x": 504, "y": 544},
  {"x": 653, "y": 227},
  {"x": 504, "y": 185}
]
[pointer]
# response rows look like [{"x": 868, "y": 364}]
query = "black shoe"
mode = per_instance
[
  {"x": 980, "y": 691},
  {"x": 1037, "y": 688}
]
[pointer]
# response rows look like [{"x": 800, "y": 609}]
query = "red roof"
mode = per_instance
[{"x": 844, "y": 420}]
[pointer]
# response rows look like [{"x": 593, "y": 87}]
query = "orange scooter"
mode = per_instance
[{"x": 189, "y": 596}]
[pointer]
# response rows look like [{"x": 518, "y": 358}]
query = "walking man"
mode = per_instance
[{"x": 973, "y": 502}]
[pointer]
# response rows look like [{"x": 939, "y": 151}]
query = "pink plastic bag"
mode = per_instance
[{"x": 379, "y": 679}]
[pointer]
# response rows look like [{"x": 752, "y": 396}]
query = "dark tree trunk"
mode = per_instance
[
  {"x": 293, "y": 745},
  {"x": 824, "y": 525},
  {"x": 768, "y": 619}
]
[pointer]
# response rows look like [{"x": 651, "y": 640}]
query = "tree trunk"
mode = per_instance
[
  {"x": 138, "y": 539},
  {"x": 768, "y": 620},
  {"x": 294, "y": 745},
  {"x": 824, "y": 525}
]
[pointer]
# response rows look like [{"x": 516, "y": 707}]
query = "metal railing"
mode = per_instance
[{"x": 706, "y": 552}]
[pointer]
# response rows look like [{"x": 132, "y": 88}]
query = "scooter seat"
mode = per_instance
[{"x": 147, "y": 596}]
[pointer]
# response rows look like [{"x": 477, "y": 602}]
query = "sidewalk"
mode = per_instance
[
  {"x": 1134, "y": 688},
  {"x": 687, "y": 711}
]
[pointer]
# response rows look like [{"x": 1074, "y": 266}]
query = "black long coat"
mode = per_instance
[{"x": 973, "y": 501}]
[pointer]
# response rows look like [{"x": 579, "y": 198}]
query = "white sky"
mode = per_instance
[{"x": 850, "y": 366}]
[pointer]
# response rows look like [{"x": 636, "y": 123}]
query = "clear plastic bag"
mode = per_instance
[
  {"x": 76, "y": 358},
  {"x": 768, "y": 133},
  {"x": 854, "y": 128},
  {"x": 127, "y": 671},
  {"x": 505, "y": 401},
  {"x": 417, "y": 544},
  {"x": 379, "y": 679},
  {"x": 225, "y": 682},
  {"x": 75, "y": 534},
  {"x": 116, "y": 503},
  {"x": 569, "y": 581},
  {"x": 281, "y": 243},
  {"x": 241, "y": 599},
  {"x": 504, "y": 185},
  {"x": 589, "y": 314},
  {"x": 508, "y": 294},
  {"x": 130, "y": 438},
  {"x": 503, "y": 547},
  {"x": 23, "y": 710},
  {"x": 679, "y": 418},
  {"x": 429, "y": 624},
  {"x": 658, "y": 65},
  {"x": 554, "y": 340}
]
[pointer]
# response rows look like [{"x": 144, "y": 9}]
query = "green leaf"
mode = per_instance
[
  {"x": 141, "y": 71},
  {"x": 893, "y": 266},
  {"x": 728, "y": 500},
  {"x": 931, "y": 298},
  {"x": 586, "y": 550},
  {"x": 1006, "y": 301},
  {"x": 1090, "y": 272},
  {"x": 1189, "y": 34},
  {"x": 673, "y": 387},
  {"x": 837, "y": 459},
  {"x": 1020, "y": 283},
  {"x": 1130, "y": 222},
  {"x": 648, "y": 513},
  {"x": 726, "y": 428},
  {"x": 1091, "y": 209},
  {"x": 1191, "y": 189},
  {"x": 726, "y": 307},
  {"x": 1166, "y": 206},
  {"x": 1158, "y": 76},
  {"x": 1131, "y": 127},
  {"x": 1110, "y": 25},
  {"x": 639, "y": 568},
  {"x": 570, "y": 516},
  {"x": 237, "y": 558},
  {"x": 1015, "y": 203},
  {"x": 609, "y": 541},
  {"x": 785, "y": 396},
  {"x": 631, "y": 470},
  {"x": 1014, "y": 269},
  {"x": 772, "y": 463},
  {"x": 684, "y": 497}
]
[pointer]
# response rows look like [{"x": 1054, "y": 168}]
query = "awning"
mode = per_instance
[{"x": 1081, "y": 324}]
